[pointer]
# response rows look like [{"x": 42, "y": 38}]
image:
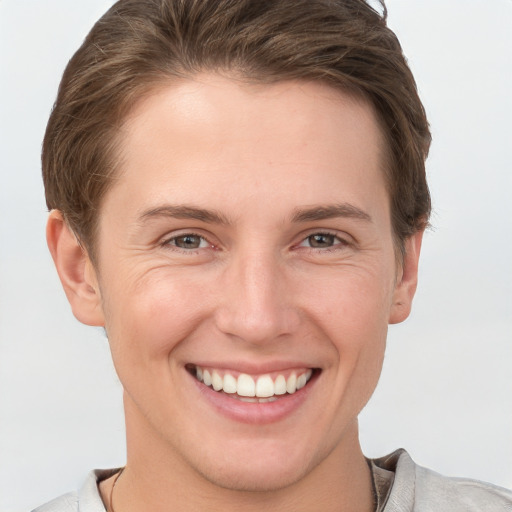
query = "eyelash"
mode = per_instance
[
  {"x": 338, "y": 242},
  {"x": 171, "y": 243}
]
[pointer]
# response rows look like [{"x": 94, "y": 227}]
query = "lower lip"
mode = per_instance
[{"x": 255, "y": 413}]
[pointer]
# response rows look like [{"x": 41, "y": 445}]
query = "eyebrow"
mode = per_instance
[
  {"x": 300, "y": 215},
  {"x": 185, "y": 212},
  {"x": 330, "y": 212}
]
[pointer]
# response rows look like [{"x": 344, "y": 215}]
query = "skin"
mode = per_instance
[{"x": 259, "y": 292}]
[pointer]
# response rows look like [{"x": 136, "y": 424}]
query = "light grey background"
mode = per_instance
[{"x": 446, "y": 389}]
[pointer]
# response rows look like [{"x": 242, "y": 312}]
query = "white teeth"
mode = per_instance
[
  {"x": 245, "y": 385},
  {"x": 280, "y": 385},
  {"x": 230, "y": 385},
  {"x": 291, "y": 383},
  {"x": 217, "y": 381},
  {"x": 267, "y": 400},
  {"x": 257, "y": 400},
  {"x": 265, "y": 389},
  {"x": 301, "y": 381}
]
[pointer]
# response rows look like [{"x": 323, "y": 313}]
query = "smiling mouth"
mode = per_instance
[{"x": 261, "y": 389}]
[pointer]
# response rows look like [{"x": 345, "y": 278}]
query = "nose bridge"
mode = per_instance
[{"x": 256, "y": 304}]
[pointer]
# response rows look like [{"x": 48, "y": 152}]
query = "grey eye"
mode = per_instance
[
  {"x": 189, "y": 242},
  {"x": 321, "y": 240}
]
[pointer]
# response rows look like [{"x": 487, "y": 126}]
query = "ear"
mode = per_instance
[
  {"x": 407, "y": 280},
  {"x": 75, "y": 270}
]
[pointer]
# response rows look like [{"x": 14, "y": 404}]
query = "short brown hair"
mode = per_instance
[{"x": 140, "y": 44}]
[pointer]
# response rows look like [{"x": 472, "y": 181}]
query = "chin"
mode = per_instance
[
  {"x": 259, "y": 468},
  {"x": 264, "y": 477}
]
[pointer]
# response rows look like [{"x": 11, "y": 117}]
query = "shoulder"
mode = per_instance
[
  {"x": 86, "y": 499},
  {"x": 419, "y": 489},
  {"x": 434, "y": 490},
  {"x": 66, "y": 503}
]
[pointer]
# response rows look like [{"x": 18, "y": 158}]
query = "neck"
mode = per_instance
[{"x": 158, "y": 479}]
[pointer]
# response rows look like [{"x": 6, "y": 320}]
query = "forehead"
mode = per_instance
[
  {"x": 204, "y": 135},
  {"x": 217, "y": 104}
]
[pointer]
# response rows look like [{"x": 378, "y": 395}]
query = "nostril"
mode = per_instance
[{"x": 259, "y": 326}]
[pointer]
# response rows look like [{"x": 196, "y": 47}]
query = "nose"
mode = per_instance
[{"x": 256, "y": 303}]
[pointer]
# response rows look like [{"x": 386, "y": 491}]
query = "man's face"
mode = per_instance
[{"x": 247, "y": 246}]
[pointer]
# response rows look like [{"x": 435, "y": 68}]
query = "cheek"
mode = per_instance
[
  {"x": 352, "y": 305},
  {"x": 147, "y": 320},
  {"x": 352, "y": 315}
]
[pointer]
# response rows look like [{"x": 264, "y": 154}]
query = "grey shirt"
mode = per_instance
[{"x": 400, "y": 485}]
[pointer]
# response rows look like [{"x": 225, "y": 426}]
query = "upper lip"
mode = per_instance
[{"x": 254, "y": 368}]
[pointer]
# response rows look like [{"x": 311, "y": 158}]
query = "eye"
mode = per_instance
[
  {"x": 189, "y": 241},
  {"x": 322, "y": 241}
]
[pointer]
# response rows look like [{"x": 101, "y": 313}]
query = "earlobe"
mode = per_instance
[
  {"x": 75, "y": 270},
  {"x": 406, "y": 285}
]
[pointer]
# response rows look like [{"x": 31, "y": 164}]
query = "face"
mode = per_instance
[{"x": 246, "y": 276}]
